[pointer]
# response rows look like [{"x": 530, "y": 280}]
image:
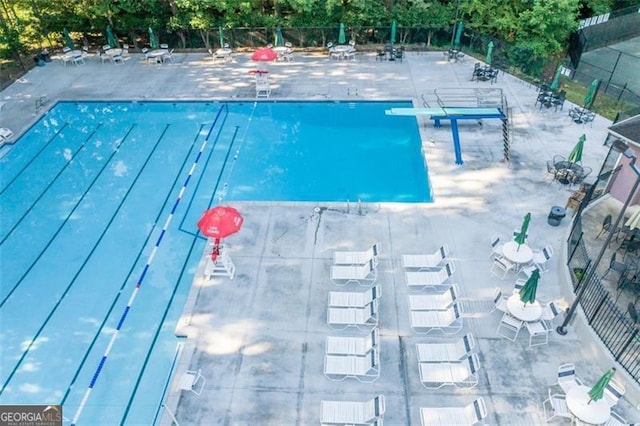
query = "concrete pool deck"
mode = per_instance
[{"x": 259, "y": 339}]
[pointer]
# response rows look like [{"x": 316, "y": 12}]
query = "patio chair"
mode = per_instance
[
  {"x": 555, "y": 406},
  {"x": 499, "y": 301},
  {"x": 459, "y": 374},
  {"x": 448, "y": 322},
  {"x": 360, "y": 274},
  {"x": 446, "y": 352},
  {"x": 192, "y": 380},
  {"x": 501, "y": 267},
  {"x": 551, "y": 171},
  {"x": 550, "y": 311},
  {"x": 607, "y": 225},
  {"x": 567, "y": 377},
  {"x": 558, "y": 100},
  {"x": 538, "y": 332},
  {"x": 469, "y": 415},
  {"x": 353, "y": 345},
  {"x": 354, "y": 299},
  {"x": 354, "y": 257},
  {"x": 433, "y": 279},
  {"x": 433, "y": 302},
  {"x": 613, "y": 392},
  {"x": 365, "y": 369},
  {"x": 425, "y": 261},
  {"x": 616, "y": 420},
  {"x": 509, "y": 327},
  {"x": 352, "y": 412},
  {"x": 618, "y": 267},
  {"x": 362, "y": 318},
  {"x": 541, "y": 257},
  {"x": 517, "y": 286},
  {"x": 496, "y": 247}
]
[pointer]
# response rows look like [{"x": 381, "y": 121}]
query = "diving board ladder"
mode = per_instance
[{"x": 507, "y": 130}]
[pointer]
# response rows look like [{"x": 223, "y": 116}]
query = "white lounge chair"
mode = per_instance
[
  {"x": 365, "y": 369},
  {"x": 356, "y": 257},
  {"x": 459, "y": 374},
  {"x": 5, "y": 135},
  {"x": 361, "y": 274},
  {"x": 449, "y": 321},
  {"x": 425, "y": 261},
  {"x": 447, "y": 416},
  {"x": 538, "y": 332},
  {"x": 357, "y": 345},
  {"x": 354, "y": 299},
  {"x": 433, "y": 279},
  {"x": 447, "y": 352},
  {"x": 363, "y": 318},
  {"x": 499, "y": 301},
  {"x": 353, "y": 412},
  {"x": 433, "y": 302}
]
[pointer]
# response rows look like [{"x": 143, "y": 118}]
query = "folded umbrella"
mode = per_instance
[{"x": 597, "y": 391}]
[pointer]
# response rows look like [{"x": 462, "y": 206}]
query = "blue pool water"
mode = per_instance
[{"x": 86, "y": 193}]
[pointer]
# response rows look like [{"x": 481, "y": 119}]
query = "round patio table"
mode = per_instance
[
  {"x": 528, "y": 312},
  {"x": 566, "y": 169},
  {"x": 521, "y": 254},
  {"x": 594, "y": 412}
]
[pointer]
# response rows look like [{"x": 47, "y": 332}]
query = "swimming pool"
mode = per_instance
[{"x": 86, "y": 194}]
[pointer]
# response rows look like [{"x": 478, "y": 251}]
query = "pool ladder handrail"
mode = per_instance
[{"x": 40, "y": 102}]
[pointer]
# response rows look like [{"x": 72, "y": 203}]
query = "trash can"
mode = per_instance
[{"x": 556, "y": 215}]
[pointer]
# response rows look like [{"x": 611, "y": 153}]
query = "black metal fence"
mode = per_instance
[{"x": 618, "y": 332}]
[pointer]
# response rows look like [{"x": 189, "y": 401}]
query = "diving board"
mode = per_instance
[{"x": 454, "y": 114}]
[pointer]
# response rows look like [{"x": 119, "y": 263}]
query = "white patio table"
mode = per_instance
[
  {"x": 517, "y": 254},
  {"x": 594, "y": 412},
  {"x": 530, "y": 312}
]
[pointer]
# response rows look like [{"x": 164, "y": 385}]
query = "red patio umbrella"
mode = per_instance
[
  {"x": 264, "y": 54},
  {"x": 219, "y": 222}
]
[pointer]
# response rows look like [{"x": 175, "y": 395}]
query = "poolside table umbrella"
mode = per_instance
[
  {"x": 264, "y": 54},
  {"x": 489, "y": 58},
  {"x": 529, "y": 289},
  {"x": 67, "y": 39},
  {"x": 522, "y": 236},
  {"x": 576, "y": 153},
  {"x": 219, "y": 222},
  {"x": 555, "y": 84},
  {"x": 456, "y": 42},
  {"x": 591, "y": 93},
  {"x": 342, "y": 38},
  {"x": 597, "y": 391},
  {"x": 221, "y": 34},
  {"x": 111, "y": 40},
  {"x": 393, "y": 32},
  {"x": 153, "y": 39},
  {"x": 279, "y": 39}
]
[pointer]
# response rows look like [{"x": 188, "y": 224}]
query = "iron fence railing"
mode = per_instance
[{"x": 617, "y": 331}]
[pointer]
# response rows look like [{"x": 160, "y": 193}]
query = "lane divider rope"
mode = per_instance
[{"x": 123, "y": 317}]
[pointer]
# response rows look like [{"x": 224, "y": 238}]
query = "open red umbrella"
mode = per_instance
[
  {"x": 264, "y": 54},
  {"x": 219, "y": 222}
]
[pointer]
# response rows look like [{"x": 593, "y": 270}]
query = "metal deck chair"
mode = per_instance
[
  {"x": 448, "y": 322},
  {"x": 354, "y": 299},
  {"x": 365, "y": 369},
  {"x": 353, "y": 345},
  {"x": 439, "y": 416},
  {"x": 460, "y": 374},
  {"x": 361, "y": 274},
  {"x": 433, "y": 279},
  {"x": 433, "y": 302},
  {"x": 363, "y": 318},
  {"x": 449, "y": 352},
  {"x": 425, "y": 261},
  {"x": 356, "y": 257},
  {"x": 353, "y": 412},
  {"x": 192, "y": 380}
]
